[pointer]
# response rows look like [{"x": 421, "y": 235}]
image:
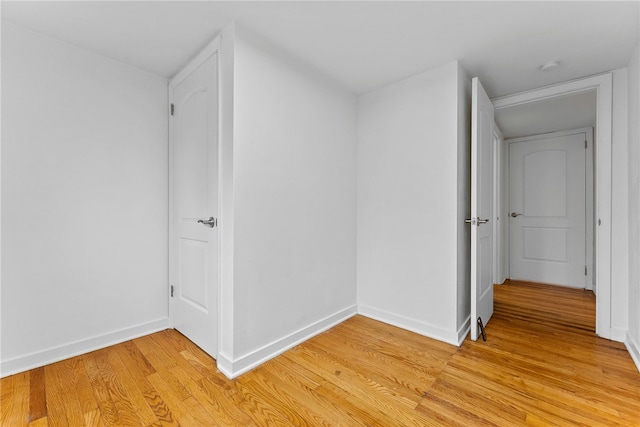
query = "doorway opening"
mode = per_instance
[{"x": 582, "y": 104}]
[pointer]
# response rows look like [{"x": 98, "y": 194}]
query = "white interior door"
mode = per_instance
[
  {"x": 194, "y": 237},
  {"x": 547, "y": 198},
  {"x": 482, "y": 122}
]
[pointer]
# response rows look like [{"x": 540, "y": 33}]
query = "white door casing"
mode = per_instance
[
  {"x": 194, "y": 202},
  {"x": 499, "y": 233},
  {"x": 548, "y": 209},
  {"x": 482, "y": 141}
]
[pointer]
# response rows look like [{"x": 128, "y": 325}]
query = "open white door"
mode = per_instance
[
  {"x": 194, "y": 231},
  {"x": 482, "y": 123}
]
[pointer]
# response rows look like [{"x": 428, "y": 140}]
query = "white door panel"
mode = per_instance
[
  {"x": 482, "y": 133},
  {"x": 545, "y": 244},
  {"x": 545, "y": 184},
  {"x": 547, "y": 197},
  {"x": 195, "y": 198}
]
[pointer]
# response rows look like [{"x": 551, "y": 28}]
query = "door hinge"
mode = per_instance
[
  {"x": 171, "y": 291},
  {"x": 172, "y": 109},
  {"x": 585, "y": 270},
  {"x": 585, "y": 144}
]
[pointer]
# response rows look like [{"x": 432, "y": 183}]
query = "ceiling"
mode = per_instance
[
  {"x": 551, "y": 115},
  {"x": 362, "y": 45}
]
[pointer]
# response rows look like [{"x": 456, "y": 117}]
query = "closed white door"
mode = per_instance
[
  {"x": 194, "y": 237},
  {"x": 547, "y": 201},
  {"x": 482, "y": 122}
]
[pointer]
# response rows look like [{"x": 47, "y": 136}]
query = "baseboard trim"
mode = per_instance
[
  {"x": 634, "y": 350},
  {"x": 619, "y": 335},
  {"x": 225, "y": 365},
  {"x": 464, "y": 331},
  {"x": 65, "y": 351},
  {"x": 233, "y": 368},
  {"x": 413, "y": 325}
]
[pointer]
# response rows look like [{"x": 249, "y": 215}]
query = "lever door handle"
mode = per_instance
[
  {"x": 514, "y": 214},
  {"x": 476, "y": 221},
  {"x": 211, "y": 222}
]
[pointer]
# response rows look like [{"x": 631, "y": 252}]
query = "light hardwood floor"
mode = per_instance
[{"x": 542, "y": 365}]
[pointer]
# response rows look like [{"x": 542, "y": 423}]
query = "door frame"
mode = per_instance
[
  {"x": 589, "y": 192},
  {"x": 500, "y": 259},
  {"x": 602, "y": 84},
  {"x": 206, "y": 53}
]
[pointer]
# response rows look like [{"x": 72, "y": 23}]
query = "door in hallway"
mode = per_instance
[{"x": 548, "y": 209}]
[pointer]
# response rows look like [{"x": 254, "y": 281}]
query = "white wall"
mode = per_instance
[
  {"x": 633, "y": 335},
  {"x": 84, "y": 201},
  {"x": 619, "y": 209},
  {"x": 408, "y": 141},
  {"x": 294, "y": 192}
]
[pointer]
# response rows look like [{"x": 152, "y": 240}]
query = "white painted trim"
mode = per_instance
[
  {"x": 225, "y": 365},
  {"x": 590, "y": 210},
  {"x": 548, "y": 135},
  {"x": 226, "y": 202},
  {"x": 413, "y": 325},
  {"x": 505, "y": 164},
  {"x": 603, "y": 85},
  {"x": 497, "y": 199},
  {"x": 619, "y": 335},
  {"x": 65, "y": 351},
  {"x": 1, "y": 370},
  {"x": 170, "y": 230},
  {"x": 634, "y": 350},
  {"x": 548, "y": 92},
  {"x": 464, "y": 331},
  {"x": 233, "y": 368}
]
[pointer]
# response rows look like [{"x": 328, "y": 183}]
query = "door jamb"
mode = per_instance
[
  {"x": 499, "y": 267},
  {"x": 603, "y": 177}
]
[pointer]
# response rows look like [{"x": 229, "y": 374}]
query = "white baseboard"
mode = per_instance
[
  {"x": 413, "y": 325},
  {"x": 225, "y": 365},
  {"x": 65, "y": 351},
  {"x": 464, "y": 331},
  {"x": 619, "y": 335},
  {"x": 634, "y": 350},
  {"x": 233, "y": 368}
]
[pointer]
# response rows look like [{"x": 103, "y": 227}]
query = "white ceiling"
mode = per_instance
[
  {"x": 362, "y": 45},
  {"x": 552, "y": 115}
]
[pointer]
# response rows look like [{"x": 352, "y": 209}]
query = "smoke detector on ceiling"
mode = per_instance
[{"x": 551, "y": 65}]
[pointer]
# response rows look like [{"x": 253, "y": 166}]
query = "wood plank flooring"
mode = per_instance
[
  {"x": 558, "y": 306},
  {"x": 540, "y": 366}
]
